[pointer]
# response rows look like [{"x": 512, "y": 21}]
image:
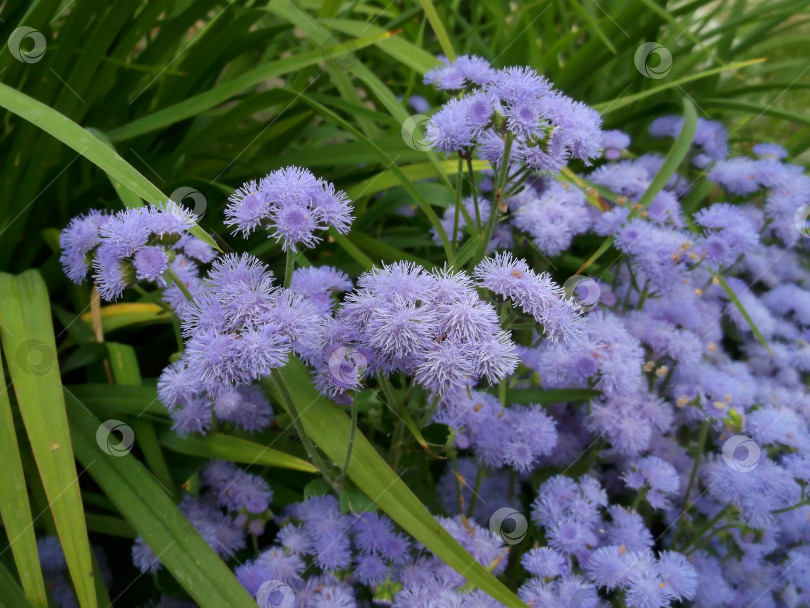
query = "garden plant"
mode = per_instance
[{"x": 425, "y": 304}]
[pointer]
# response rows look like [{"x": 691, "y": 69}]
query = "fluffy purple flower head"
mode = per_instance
[
  {"x": 292, "y": 205},
  {"x": 537, "y": 295},
  {"x": 615, "y": 143},
  {"x": 77, "y": 241},
  {"x": 465, "y": 70}
]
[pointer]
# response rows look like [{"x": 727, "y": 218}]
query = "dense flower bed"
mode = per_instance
[{"x": 673, "y": 466}]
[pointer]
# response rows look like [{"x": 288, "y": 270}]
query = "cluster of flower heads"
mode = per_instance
[
  {"x": 544, "y": 127},
  {"x": 239, "y": 327},
  {"x": 432, "y": 326},
  {"x": 703, "y": 322},
  {"x": 684, "y": 392},
  {"x": 292, "y": 205},
  {"x": 135, "y": 245}
]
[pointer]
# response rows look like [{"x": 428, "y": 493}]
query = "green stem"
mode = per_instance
[
  {"x": 288, "y": 269},
  {"x": 399, "y": 429},
  {"x": 289, "y": 405},
  {"x": 479, "y": 478},
  {"x": 801, "y": 503},
  {"x": 704, "y": 431},
  {"x": 474, "y": 191},
  {"x": 486, "y": 235},
  {"x": 709, "y": 525},
  {"x": 180, "y": 285},
  {"x": 458, "y": 200},
  {"x": 350, "y": 444}
]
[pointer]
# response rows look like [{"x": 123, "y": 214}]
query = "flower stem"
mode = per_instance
[
  {"x": 278, "y": 380},
  {"x": 479, "y": 478},
  {"x": 288, "y": 269},
  {"x": 458, "y": 200},
  {"x": 704, "y": 431},
  {"x": 474, "y": 191},
  {"x": 486, "y": 234},
  {"x": 180, "y": 285},
  {"x": 350, "y": 444}
]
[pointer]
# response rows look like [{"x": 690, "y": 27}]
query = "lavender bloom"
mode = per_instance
[
  {"x": 320, "y": 284},
  {"x": 537, "y": 295},
  {"x": 77, "y": 241},
  {"x": 552, "y": 218},
  {"x": 292, "y": 204},
  {"x": 659, "y": 478},
  {"x": 432, "y": 326},
  {"x": 133, "y": 245},
  {"x": 615, "y": 143},
  {"x": 465, "y": 70}
]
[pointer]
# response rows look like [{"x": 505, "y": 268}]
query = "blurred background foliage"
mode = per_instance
[{"x": 207, "y": 94}]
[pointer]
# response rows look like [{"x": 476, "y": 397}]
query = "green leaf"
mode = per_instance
[
  {"x": 438, "y": 28},
  {"x": 127, "y": 372},
  {"x": 611, "y": 106},
  {"x": 202, "y": 102},
  {"x": 328, "y": 426},
  {"x": 218, "y": 445},
  {"x": 150, "y": 511},
  {"x": 124, "y": 314},
  {"x": 675, "y": 156},
  {"x": 30, "y": 350},
  {"x": 736, "y": 301},
  {"x": 106, "y": 400},
  {"x": 88, "y": 145},
  {"x": 13, "y": 596},
  {"x": 15, "y": 508},
  {"x": 756, "y": 109}
]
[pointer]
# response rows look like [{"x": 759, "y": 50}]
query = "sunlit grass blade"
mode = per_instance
[
  {"x": 125, "y": 314},
  {"x": 328, "y": 426},
  {"x": 438, "y": 28},
  {"x": 30, "y": 351},
  {"x": 15, "y": 508},
  {"x": 615, "y": 104},
  {"x": 150, "y": 511},
  {"x": 85, "y": 143}
]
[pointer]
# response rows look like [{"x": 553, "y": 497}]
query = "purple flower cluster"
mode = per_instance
[
  {"x": 517, "y": 436},
  {"x": 239, "y": 327},
  {"x": 430, "y": 325},
  {"x": 131, "y": 246},
  {"x": 537, "y": 295},
  {"x": 292, "y": 205},
  {"x": 548, "y": 128},
  {"x": 658, "y": 438}
]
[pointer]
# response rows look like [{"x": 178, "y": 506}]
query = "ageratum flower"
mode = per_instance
[
  {"x": 138, "y": 244},
  {"x": 239, "y": 328},
  {"x": 548, "y": 127},
  {"x": 292, "y": 205},
  {"x": 536, "y": 294},
  {"x": 430, "y": 325}
]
